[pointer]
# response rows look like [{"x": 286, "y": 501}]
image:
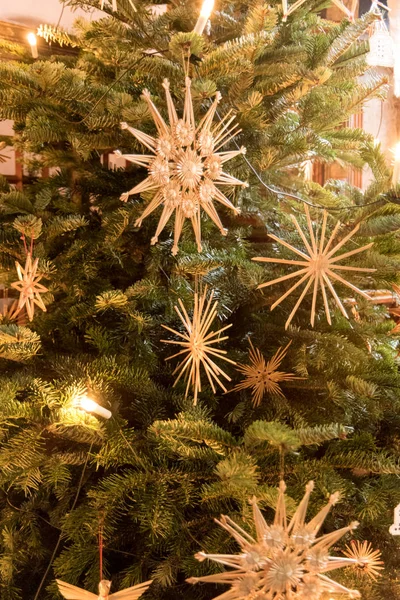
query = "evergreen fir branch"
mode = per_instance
[
  {"x": 365, "y": 462},
  {"x": 277, "y": 435},
  {"x": 349, "y": 36},
  {"x": 321, "y": 433},
  {"x": 185, "y": 429},
  {"x": 18, "y": 343}
]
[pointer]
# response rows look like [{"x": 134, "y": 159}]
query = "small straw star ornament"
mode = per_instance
[
  {"x": 29, "y": 287},
  {"x": 285, "y": 560},
  {"x": 72, "y": 592},
  {"x": 317, "y": 267},
  {"x": 369, "y": 561},
  {"x": 185, "y": 165},
  {"x": 262, "y": 376},
  {"x": 198, "y": 345}
]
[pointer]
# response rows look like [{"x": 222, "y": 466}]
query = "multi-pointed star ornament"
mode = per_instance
[
  {"x": 369, "y": 561},
  {"x": 286, "y": 560},
  {"x": 318, "y": 267},
  {"x": 262, "y": 376},
  {"x": 71, "y": 592},
  {"x": 185, "y": 165},
  {"x": 349, "y": 12},
  {"x": 198, "y": 345},
  {"x": 29, "y": 287}
]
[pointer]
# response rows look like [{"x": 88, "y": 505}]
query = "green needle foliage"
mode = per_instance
[{"x": 160, "y": 470}]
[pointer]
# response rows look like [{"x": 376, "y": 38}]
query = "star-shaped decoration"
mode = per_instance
[
  {"x": 185, "y": 165},
  {"x": 262, "y": 376},
  {"x": 286, "y": 560},
  {"x": 198, "y": 345},
  {"x": 319, "y": 265},
  {"x": 29, "y": 287},
  {"x": 349, "y": 12},
  {"x": 72, "y": 592},
  {"x": 369, "y": 561}
]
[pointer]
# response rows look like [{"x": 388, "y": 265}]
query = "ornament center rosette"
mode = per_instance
[{"x": 186, "y": 166}]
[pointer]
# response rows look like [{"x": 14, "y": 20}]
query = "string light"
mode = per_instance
[
  {"x": 31, "y": 37},
  {"x": 205, "y": 14},
  {"x": 89, "y": 405}
]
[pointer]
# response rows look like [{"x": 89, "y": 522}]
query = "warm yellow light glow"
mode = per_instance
[
  {"x": 396, "y": 152},
  {"x": 88, "y": 405},
  {"x": 207, "y": 8},
  {"x": 204, "y": 15},
  {"x": 31, "y": 37}
]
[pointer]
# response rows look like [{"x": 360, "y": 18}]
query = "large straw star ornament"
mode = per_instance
[
  {"x": 317, "y": 268},
  {"x": 29, "y": 287},
  {"x": 285, "y": 560},
  {"x": 198, "y": 345},
  {"x": 185, "y": 165}
]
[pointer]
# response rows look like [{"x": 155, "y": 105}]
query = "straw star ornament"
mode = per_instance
[
  {"x": 185, "y": 166},
  {"x": 72, "y": 592},
  {"x": 286, "y": 560},
  {"x": 369, "y": 561},
  {"x": 29, "y": 287},
  {"x": 318, "y": 267},
  {"x": 198, "y": 345},
  {"x": 262, "y": 376}
]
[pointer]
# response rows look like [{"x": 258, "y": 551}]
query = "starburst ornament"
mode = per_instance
[
  {"x": 71, "y": 592},
  {"x": 318, "y": 267},
  {"x": 369, "y": 561},
  {"x": 198, "y": 345},
  {"x": 349, "y": 12},
  {"x": 262, "y": 376},
  {"x": 284, "y": 561},
  {"x": 29, "y": 287},
  {"x": 185, "y": 165}
]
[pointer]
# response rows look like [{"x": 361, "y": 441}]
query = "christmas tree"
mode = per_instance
[{"x": 306, "y": 393}]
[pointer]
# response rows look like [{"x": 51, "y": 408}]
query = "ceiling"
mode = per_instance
[{"x": 32, "y": 13}]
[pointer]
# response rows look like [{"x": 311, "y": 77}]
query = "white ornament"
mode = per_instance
[
  {"x": 381, "y": 52},
  {"x": 395, "y": 528}
]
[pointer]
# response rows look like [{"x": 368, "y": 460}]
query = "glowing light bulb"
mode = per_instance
[
  {"x": 32, "y": 41},
  {"x": 207, "y": 8},
  {"x": 205, "y": 12},
  {"x": 90, "y": 406},
  {"x": 396, "y": 164}
]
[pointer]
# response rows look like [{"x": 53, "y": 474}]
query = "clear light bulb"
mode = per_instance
[
  {"x": 205, "y": 12},
  {"x": 207, "y": 8},
  {"x": 88, "y": 405},
  {"x": 32, "y": 41}
]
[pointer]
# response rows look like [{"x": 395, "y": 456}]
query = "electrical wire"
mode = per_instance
[
  {"x": 279, "y": 192},
  {"x": 78, "y": 491},
  {"x": 295, "y": 196}
]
